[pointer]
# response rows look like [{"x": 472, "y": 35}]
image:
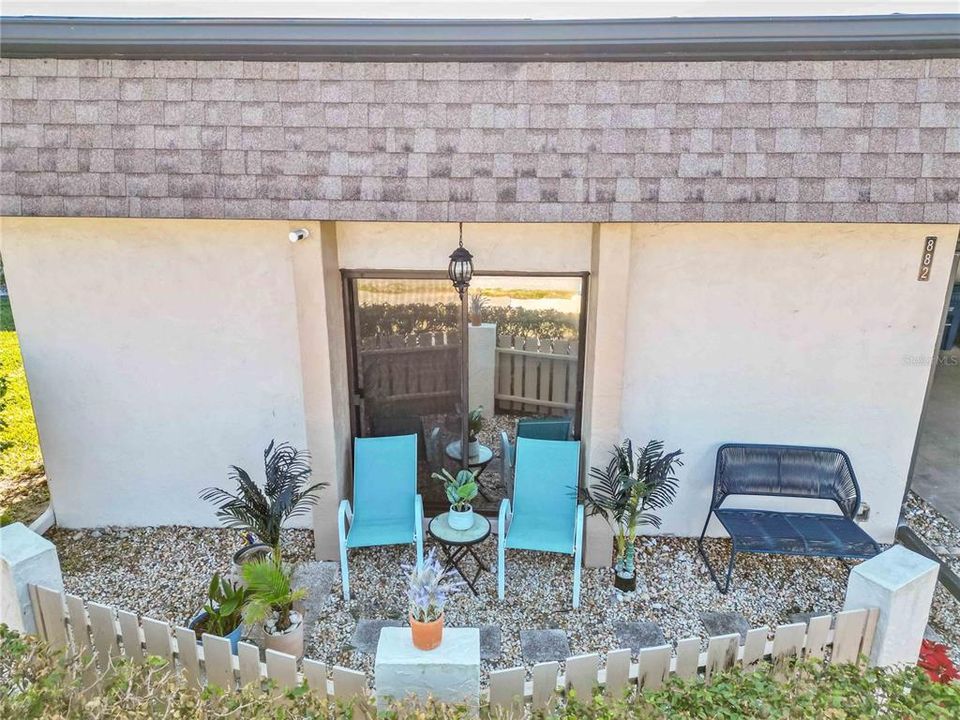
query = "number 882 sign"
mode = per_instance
[{"x": 926, "y": 259}]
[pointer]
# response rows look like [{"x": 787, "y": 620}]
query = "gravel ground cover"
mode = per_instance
[
  {"x": 163, "y": 572},
  {"x": 940, "y": 534},
  {"x": 944, "y": 538}
]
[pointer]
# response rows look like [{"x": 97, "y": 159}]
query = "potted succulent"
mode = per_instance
[
  {"x": 474, "y": 426},
  {"x": 428, "y": 592},
  {"x": 223, "y": 612},
  {"x": 478, "y": 301},
  {"x": 460, "y": 491},
  {"x": 261, "y": 512},
  {"x": 270, "y": 600},
  {"x": 626, "y": 492}
]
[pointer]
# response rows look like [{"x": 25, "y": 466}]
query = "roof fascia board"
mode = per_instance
[{"x": 695, "y": 39}]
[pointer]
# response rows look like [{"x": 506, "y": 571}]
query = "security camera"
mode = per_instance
[{"x": 298, "y": 235}]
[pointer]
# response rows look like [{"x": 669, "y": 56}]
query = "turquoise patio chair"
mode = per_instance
[
  {"x": 538, "y": 428},
  {"x": 545, "y": 515},
  {"x": 386, "y": 507}
]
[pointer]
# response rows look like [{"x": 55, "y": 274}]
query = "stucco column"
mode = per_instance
[
  {"x": 603, "y": 378},
  {"x": 320, "y": 324}
]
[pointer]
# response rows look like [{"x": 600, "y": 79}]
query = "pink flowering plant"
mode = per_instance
[{"x": 428, "y": 589}]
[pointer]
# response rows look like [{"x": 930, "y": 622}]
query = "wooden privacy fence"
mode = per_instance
[
  {"x": 536, "y": 375},
  {"x": 421, "y": 371},
  {"x": 66, "y": 622}
]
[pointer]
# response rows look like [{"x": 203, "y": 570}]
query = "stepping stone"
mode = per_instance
[
  {"x": 367, "y": 634},
  {"x": 725, "y": 622},
  {"x": 318, "y": 577},
  {"x": 489, "y": 642},
  {"x": 804, "y": 617},
  {"x": 543, "y": 646},
  {"x": 638, "y": 635}
]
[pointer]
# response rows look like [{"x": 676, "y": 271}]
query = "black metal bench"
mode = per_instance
[{"x": 787, "y": 471}]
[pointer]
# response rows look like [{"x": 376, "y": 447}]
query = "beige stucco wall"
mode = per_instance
[
  {"x": 799, "y": 334},
  {"x": 158, "y": 353},
  {"x": 530, "y": 247}
]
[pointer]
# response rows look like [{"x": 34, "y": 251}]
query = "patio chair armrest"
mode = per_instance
[
  {"x": 578, "y": 529},
  {"x": 503, "y": 519},
  {"x": 344, "y": 517}
]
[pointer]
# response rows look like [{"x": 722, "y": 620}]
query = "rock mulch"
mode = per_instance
[
  {"x": 163, "y": 573},
  {"x": 944, "y": 538}
]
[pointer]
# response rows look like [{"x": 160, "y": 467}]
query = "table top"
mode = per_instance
[
  {"x": 441, "y": 530},
  {"x": 484, "y": 456}
]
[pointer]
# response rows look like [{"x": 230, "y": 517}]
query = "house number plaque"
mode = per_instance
[{"x": 926, "y": 260}]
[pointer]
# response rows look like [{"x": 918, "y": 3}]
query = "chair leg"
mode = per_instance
[
  {"x": 501, "y": 570},
  {"x": 713, "y": 576},
  {"x": 344, "y": 572},
  {"x": 577, "y": 556}
]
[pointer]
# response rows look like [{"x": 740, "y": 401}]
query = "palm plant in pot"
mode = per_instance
[
  {"x": 428, "y": 592},
  {"x": 460, "y": 489},
  {"x": 261, "y": 512},
  {"x": 478, "y": 301},
  {"x": 222, "y": 614},
  {"x": 270, "y": 601},
  {"x": 474, "y": 426},
  {"x": 627, "y": 492}
]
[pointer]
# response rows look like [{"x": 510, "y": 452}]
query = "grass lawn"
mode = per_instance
[{"x": 23, "y": 487}]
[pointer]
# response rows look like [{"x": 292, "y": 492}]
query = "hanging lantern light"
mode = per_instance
[{"x": 460, "y": 269}]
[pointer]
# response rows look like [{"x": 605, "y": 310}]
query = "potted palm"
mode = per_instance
[
  {"x": 261, "y": 512},
  {"x": 474, "y": 426},
  {"x": 460, "y": 489},
  {"x": 627, "y": 492},
  {"x": 270, "y": 600},
  {"x": 222, "y": 614},
  {"x": 428, "y": 591},
  {"x": 478, "y": 301}
]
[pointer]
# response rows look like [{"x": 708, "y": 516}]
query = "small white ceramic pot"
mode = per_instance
[
  {"x": 473, "y": 448},
  {"x": 290, "y": 641},
  {"x": 461, "y": 519}
]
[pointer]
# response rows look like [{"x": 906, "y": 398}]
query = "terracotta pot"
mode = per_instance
[
  {"x": 426, "y": 636},
  {"x": 290, "y": 641},
  {"x": 461, "y": 519}
]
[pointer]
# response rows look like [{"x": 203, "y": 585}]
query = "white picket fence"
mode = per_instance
[{"x": 67, "y": 622}]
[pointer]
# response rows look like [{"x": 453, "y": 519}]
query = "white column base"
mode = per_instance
[
  {"x": 900, "y": 583},
  {"x": 450, "y": 673},
  {"x": 25, "y": 558}
]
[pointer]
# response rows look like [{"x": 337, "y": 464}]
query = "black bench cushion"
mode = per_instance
[{"x": 790, "y": 533}]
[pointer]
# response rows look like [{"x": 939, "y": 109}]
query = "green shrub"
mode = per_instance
[
  {"x": 412, "y": 318},
  {"x": 35, "y": 683}
]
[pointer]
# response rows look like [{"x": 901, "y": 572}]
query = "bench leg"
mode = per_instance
[{"x": 713, "y": 576}]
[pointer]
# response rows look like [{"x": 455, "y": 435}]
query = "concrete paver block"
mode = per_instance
[
  {"x": 638, "y": 635},
  {"x": 725, "y": 622},
  {"x": 544, "y": 645}
]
